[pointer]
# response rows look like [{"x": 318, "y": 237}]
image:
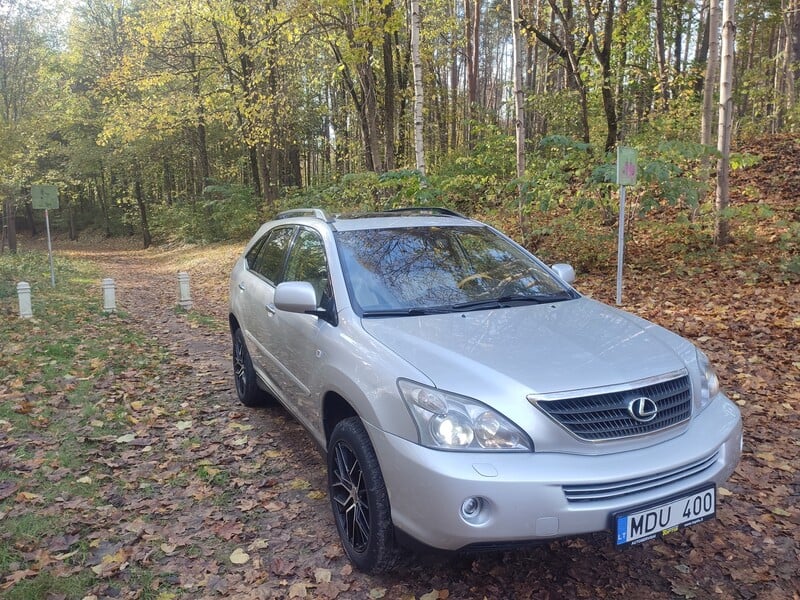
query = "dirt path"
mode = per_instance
[{"x": 249, "y": 481}]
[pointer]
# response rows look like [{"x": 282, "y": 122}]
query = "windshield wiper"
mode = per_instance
[
  {"x": 407, "y": 312},
  {"x": 512, "y": 300}
]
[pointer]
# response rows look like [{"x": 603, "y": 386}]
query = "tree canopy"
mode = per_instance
[{"x": 136, "y": 107}]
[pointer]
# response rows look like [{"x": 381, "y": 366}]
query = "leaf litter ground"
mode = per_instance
[{"x": 203, "y": 498}]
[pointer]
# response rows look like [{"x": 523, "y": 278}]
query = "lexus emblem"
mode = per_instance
[{"x": 643, "y": 409}]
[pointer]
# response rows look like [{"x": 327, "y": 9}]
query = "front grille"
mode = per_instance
[
  {"x": 605, "y": 416},
  {"x": 615, "y": 489}
]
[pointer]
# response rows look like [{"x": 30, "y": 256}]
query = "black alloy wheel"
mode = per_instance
[
  {"x": 244, "y": 374},
  {"x": 359, "y": 500}
]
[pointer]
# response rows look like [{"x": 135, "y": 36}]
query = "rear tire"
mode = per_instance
[
  {"x": 244, "y": 375},
  {"x": 359, "y": 499}
]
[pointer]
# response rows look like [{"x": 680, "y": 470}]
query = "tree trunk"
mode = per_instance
[
  {"x": 389, "y": 93},
  {"x": 621, "y": 107},
  {"x": 721, "y": 227},
  {"x": 519, "y": 109},
  {"x": 29, "y": 218},
  {"x": 453, "y": 86},
  {"x": 9, "y": 210},
  {"x": 147, "y": 239},
  {"x": 472, "y": 13},
  {"x": 790, "y": 19},
  {"x": 661, "y": 54},
  {"x": 706, "y": 125},
  {"x": 416, "y": 62},
  {"x": 679, "y": 28},
  {"x": 603, "y": 54}
]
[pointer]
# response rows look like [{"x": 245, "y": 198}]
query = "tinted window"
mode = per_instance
[
  {"x": 270, "y": 255},
  {"x": 438, "y": 266},
  {"x": 307, "y": 262}
]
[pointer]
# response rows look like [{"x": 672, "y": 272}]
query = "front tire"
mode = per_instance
[
  {"x": 359, "y": 499},
  {"x": 244, "y": 375}
]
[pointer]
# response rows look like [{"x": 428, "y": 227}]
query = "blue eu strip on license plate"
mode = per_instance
[{"x": 646, "y": 523}]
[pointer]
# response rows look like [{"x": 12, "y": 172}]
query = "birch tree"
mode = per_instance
[
  {"x": 419, "y": 148},
  {"x": 721, "y": 231},
  {"x": 519, "y": 104}
]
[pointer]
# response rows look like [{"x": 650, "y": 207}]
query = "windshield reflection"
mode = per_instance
[{"x": 408, "y": 270}]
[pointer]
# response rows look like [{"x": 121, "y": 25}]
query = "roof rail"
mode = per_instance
[
  {"x": 427, "y": 210},
  {"x": 304, "y": 212}
]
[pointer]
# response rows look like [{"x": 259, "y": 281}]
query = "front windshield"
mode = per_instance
[{"x": 446, "y": 268}]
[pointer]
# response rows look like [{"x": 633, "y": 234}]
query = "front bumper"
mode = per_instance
[{"x": 525, "y": 495}]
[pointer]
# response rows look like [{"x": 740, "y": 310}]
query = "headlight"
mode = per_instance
[
  {"x": 449, "y": 422},
  {"x": 709, "y": 382}
]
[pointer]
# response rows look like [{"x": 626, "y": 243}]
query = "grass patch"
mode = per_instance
[{"x": 69, "y": 380}]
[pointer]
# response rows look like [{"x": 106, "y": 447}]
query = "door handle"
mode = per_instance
[
  {"x": 270, "y": 309},
  {"x": 241, "y": 286}
]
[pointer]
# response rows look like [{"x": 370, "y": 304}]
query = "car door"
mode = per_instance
[
  {"x": 265, "y": 265},
  {"x": 299, "y": 334}
]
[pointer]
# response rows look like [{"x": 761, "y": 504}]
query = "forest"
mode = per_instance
[
  {"x": 196, "y": 119},
  {"x": 172, "y": 128}
]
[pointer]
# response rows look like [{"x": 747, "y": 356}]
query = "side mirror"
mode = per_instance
[
  {"x": 565, "y": 272},
  {"x": 296, "y": 297},
  {"x": 300, "y": 297}
]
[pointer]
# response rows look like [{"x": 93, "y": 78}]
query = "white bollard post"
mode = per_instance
[
  {"x": 184, "y": 296},
  {"x": 24, "y": 293},
  {"x": 109, "y": 296}
]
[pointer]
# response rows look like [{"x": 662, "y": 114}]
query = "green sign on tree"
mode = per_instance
[{"x": 44, "y": 197}]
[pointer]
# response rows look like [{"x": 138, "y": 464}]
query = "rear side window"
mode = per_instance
[{"x": 268, "y": 256}]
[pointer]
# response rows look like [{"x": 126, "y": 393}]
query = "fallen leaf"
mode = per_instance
[
  {"x": 125, "y": 439},
  {"x": 168, "y": 549},
  {"x": 239, "y": 557}
]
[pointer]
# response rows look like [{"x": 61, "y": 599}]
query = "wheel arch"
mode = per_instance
[
  {"x": 335, "y": 408},
  {"x": 233, "y": 323}
]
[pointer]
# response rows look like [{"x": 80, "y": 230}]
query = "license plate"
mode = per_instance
[{"x": 646, "y": 523}]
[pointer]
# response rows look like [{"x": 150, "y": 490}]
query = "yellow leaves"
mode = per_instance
[
  {"x": 168, "y": 549},
  {"x": 111, "y": 563},
  {"x": 239, "y": 557},
  {"x": 183, "y": 425},
  {"x": 28, "y": 497},
  {"x": 126, "y": 438},
  {"x": 239, "y": 442},
  {"x": 299, "y": 484},
  {"x": 298, "y": 590},
  {"x": 436, "y": 595}
]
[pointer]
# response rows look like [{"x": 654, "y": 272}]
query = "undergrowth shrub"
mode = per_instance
[{"x": 223, "y": 212}]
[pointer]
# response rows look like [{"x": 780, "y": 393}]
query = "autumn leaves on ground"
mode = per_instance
[{"x": 128, "y": 469}]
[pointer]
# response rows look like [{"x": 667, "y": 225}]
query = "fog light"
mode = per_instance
[{"x": 473, "y": 510}]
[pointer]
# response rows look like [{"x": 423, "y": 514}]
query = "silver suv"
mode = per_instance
[{"x": 465, "y": 395}]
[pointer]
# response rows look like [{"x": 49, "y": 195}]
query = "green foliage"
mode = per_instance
[
  {"x": 481, "y": 178},
  {"x": 368, "y": 191},
  {"x": 556, "y": 170},
  {"x": 223, "y": 212}
]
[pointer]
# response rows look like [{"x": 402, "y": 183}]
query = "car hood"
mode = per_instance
[{"x": 538, "y": 349}]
